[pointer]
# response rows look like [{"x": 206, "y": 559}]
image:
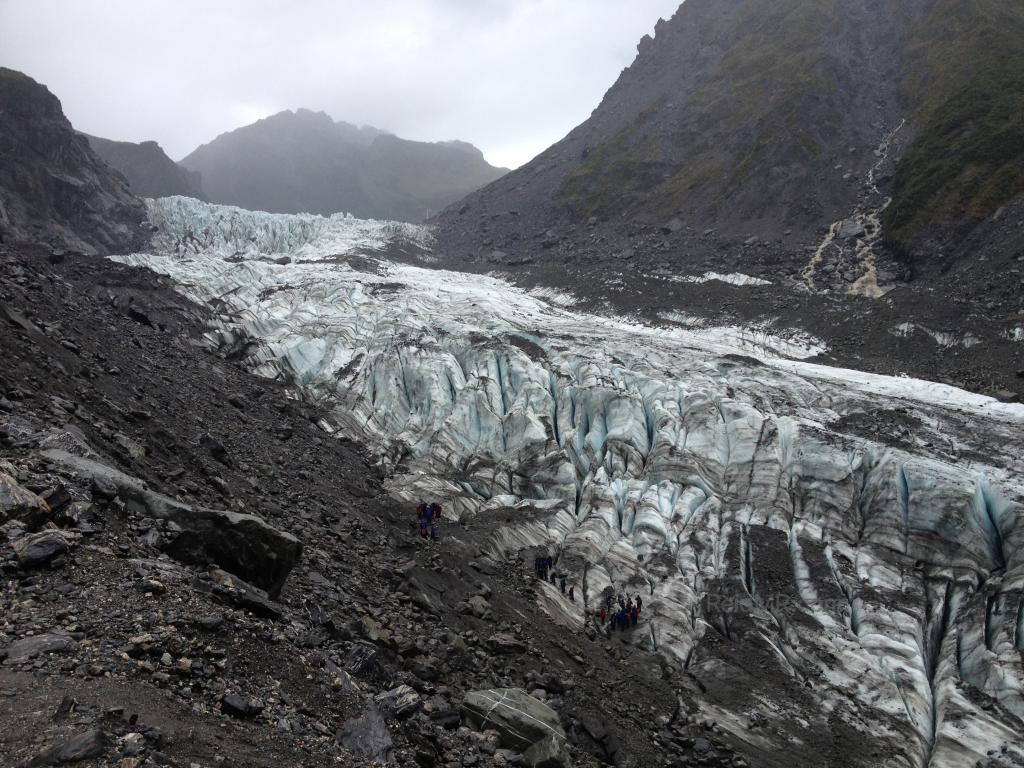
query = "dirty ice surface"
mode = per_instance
[{"x": 873, "y": 524}]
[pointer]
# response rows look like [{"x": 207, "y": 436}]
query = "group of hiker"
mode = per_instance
[
  {"x": 619, "y": 616},
  {"x": 545, "y": 570},
  {"x": 427, "y": 517},
  {"x": 619, "y": 612}
]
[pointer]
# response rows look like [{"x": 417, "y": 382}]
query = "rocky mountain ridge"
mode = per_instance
[
  {"x": 754, "y": 117},
  {"x": 150, "y": 172},
  {"x": 53, "y": 187},
  {"x": 305, "y": 162}
]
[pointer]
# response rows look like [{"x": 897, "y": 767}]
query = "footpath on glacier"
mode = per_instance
[{"x": 820, "y": 551}]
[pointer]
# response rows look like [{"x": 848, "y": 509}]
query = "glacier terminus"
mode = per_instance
[{"x": 866, "y": 578}]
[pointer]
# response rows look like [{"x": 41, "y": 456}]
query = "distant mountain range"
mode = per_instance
[
  {"x": 150, "y": 172},
  {"x": 73, "y": 191},
  {"x": 304, "y": 161}
]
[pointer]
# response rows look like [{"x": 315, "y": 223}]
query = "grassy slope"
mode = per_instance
[
  {"x": 964, "y": 86},
  {"x": 742, "y": 108},
  {"x": 966, "y": 83}
]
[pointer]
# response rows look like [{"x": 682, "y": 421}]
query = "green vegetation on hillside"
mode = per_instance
[
  {"x": 737, "y": 117},
  {"x": 967, "y": 84}
]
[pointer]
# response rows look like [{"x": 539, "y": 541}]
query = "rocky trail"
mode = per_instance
[{"x": 128, "y": 636}]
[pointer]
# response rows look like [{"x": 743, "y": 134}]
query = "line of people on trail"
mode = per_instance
[
  {"x": 545, "y": 570},
  {"x": 427, "y": 517}
]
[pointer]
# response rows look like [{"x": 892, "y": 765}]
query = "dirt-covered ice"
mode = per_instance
[{"x": 701, "y": 467}]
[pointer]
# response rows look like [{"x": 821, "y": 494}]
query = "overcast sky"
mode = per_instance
[{"x": 511, "y": 76}]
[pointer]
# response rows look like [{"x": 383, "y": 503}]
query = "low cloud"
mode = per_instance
[{"x": 511, "y": 76}]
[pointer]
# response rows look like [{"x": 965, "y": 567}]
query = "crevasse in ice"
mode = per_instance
[{"x": 676, "y": 462}]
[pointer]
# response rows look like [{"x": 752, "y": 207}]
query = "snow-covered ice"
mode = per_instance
[
  {"x": 668, "y": 459},
  {"x": 732, "y": 278}
]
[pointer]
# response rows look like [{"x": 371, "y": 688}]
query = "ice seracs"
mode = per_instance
[{"x": 719, "y": 477}]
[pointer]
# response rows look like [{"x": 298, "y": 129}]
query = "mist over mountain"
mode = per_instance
[
  {"x": 305, "y": 162},
  {"x": 150, "y": 172}
]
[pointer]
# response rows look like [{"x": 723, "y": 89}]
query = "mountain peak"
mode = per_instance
[
  {"x": 305, "y": 161},
  {"x": 150, "y": 172}
]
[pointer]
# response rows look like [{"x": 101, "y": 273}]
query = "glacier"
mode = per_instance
[{"x": 715, "y": 470}]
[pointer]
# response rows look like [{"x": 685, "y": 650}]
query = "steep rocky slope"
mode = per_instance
[
  {"x": 53, "y": 188},
  {"x": 759, "y": 117},
  {"x": 304, "y": 162},
  {"x": 150, "y": 172},
  {"x": 842, "y": 150},
  {"x": 965, "y": 93}
]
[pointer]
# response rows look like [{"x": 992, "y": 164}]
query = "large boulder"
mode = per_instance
[
  {"x": 367, "y": 737},
  {"x": 37, "y": 645},
  {"x": 38, "y": 549},
  {"x": 520, "y": 719},
  {"x": 21, "y": 504},
  {"x": 79, "y": 747},
  {"x": 549, "y": 752},
  {"x": 244, "y": 545},
  {"x": 239, "y": 706},
  {"x": 503, "y": 642}
]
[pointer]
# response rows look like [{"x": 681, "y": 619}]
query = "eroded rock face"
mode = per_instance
[
  {"x": 53, "y": 188},
  {"x": 791, "y": 565}
]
